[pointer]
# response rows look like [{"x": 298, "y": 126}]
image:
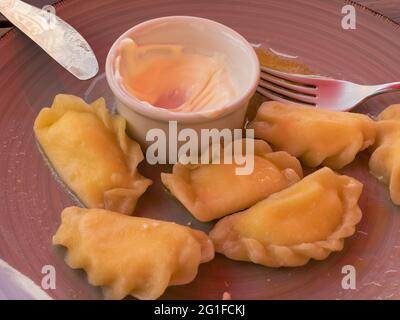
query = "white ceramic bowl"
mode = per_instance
[{"x": 242, "y": 63}]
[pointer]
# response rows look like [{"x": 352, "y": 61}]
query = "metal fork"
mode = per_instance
[{"x": 317, "y": 91}]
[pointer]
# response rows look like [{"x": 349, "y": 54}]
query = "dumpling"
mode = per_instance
[
  {"x": 91, "y": 153},
  {"x": 315, "y": 136},
  {"x": 211, "y": 191},
  {"x": 385, "y": 160},
  {"x": 307, "y": 220},
  {"x": 131, "y": 255}
]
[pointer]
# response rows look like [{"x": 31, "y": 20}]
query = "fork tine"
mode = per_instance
[
  {"x": 289, "y": 84},
  {"x": 297, "y": 97},
  {"x": 281, "y": 98},
  {"x": 299, "y": 78}
]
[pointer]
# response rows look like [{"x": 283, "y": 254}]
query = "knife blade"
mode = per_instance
[{"x": 60, "y": 40}]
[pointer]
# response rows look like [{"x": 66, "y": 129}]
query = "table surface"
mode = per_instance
[{"x": 389, "y": 8}]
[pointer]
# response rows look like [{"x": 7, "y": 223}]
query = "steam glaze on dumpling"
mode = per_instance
[
  {"x": 385, "y": 160},
  {"x": 315, "y": 136},
  {"x": 130, "y": 255},
  {"x": 91, "y": 153},
  {"x": 212, "y": 191},
  {"x": 308, "y": 220}
]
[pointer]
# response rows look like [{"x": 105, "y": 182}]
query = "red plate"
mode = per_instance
[{"x": 31, "y": 199}]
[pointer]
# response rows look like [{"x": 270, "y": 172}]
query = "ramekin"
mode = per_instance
[{"x": 208, "y": 35}]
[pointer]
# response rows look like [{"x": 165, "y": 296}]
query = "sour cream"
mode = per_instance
[{"x": 174, "y": 77}]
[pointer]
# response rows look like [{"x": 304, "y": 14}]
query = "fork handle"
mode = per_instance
[{"x": 388, "y": 87}]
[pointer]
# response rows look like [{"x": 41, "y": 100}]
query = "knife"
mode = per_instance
[
  {"x": 16, "y": 286},
  {"x": 61, "y": 41}
]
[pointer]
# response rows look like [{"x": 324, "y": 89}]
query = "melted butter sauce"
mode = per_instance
[
  {"x": 271, "y": 58},
  {"x": 174, "y": 77},
  {"x": 274, "y": 59}
]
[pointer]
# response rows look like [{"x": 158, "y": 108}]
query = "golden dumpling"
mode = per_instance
[
  {"x": 307, "y": 220},
  {"x": 130, "y": 255},
  {"x": 91, "y": 153},
  {"x": 211, "y": 191},
  {"x": 315, "y": 136},
  {"x": 385, "y": 161}
]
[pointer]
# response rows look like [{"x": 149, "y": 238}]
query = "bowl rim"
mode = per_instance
[{"x": 133, "y": 104}]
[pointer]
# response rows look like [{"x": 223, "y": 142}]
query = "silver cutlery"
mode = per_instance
[
  {"x": 61, "y": 41},
  {"x": 317, "y": 91}
]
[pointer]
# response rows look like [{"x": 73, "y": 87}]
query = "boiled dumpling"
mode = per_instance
[
  {"x": 130, "y": 255},
  {"x": 307, "y": 220},
  {"x": 91, "y": 153},
  {"x": 385, "y": 161},
  {"x": 211, "y": 191},
  {"x": 315, "y": 136}
]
